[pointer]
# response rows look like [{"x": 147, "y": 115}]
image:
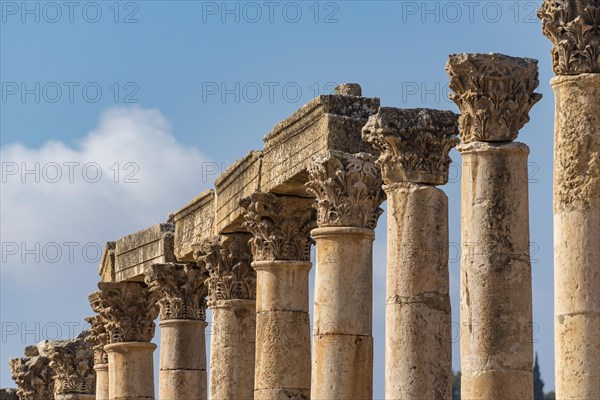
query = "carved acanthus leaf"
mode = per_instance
[
  {"x": 179, "y": 289},
  {"x": 494, "y": 93},
  {"x": 97, "y": 338},
  {"x": 347, "y": 188},
  {"x": 413, "y": 143},
  {"x": 227, "y": 259},
  {"x": 73, "y": 365},
  {"x": 573, "y": 27},
  {"x": 33, "y": 376},
  {"x": 280, "y": 226},
  {"x": 129, "y": 310}
]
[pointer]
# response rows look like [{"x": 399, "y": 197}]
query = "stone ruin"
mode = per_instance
[{"x": 243, "y": 250}]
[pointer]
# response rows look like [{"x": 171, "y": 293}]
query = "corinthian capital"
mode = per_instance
[
  {"x": 413, "y": 143},
  {"x": 97, "y": 338},
  {"x": 573, "y": 27},
  {"x": 179, "y": 289},
  {"x": 494, "y": 93},
  {"x": 280, "y": 226},
  {"x": 128, "y": 309},
  {"x": 73, "y": 365},
  {"x": 33, "y": 376},
  {"x": 227, "y": 259},
  {"x": 347, "y": 188}
]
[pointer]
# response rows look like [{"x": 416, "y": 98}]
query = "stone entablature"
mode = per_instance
[
  {"x": 326, "y": 123},
  {"x": 107, "y": 263},
  {"x": 573, "y": 27},
  {"x": 239, "y": 180},
  {"x": 494, "y": 93},
  {"x": 137, "y": 251},
  {"x": 192, "y": 222},
  {"x": 414, "y": 144}
]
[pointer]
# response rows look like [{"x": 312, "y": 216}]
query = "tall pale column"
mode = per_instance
[
  {"x": 232, "y": 298},
  {"x": 574, "y": 29},
  {"x": 98, "y": 338},
  {"x": 414, "y": 147},
  {"x": 73, "y": 365},
  {"x": 348, "y": 192},
  {"x": 181, "y": 296},
  {"x": 494, "y": 93},
  {"x": 281, "y": 241},
  {"x": 129, "y": 311}
]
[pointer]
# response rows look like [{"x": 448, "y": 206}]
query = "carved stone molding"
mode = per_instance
[
  {"x": 97, "y": 338},
  {"x": 413, "y": 143},
  {"x": 280, "y": 226},
  {"x": 33, "y": 376},
  {"x": 494, "y": 93},
  {"x": 179, "y": 289},
  {"x": 347, "y": 188},
  {"x": 573, "y": 27},
  {"x": 73, "y": 365},
  {"x": 227, "y": 259},
  {"x": 129, "y": 310}
]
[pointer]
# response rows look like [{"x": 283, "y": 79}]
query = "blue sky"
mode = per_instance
[{"x": 159, "y": 96}]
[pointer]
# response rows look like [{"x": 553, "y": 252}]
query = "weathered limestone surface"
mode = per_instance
[
  {"x": 238, "y": 181},
  {"x": 181, "y": 296},
  {"x": 496, "y": 316},
  {"x": 193, "y": 222},
  {"x": 73, "y": 365},
  {"x": 414, "y": 146},
  {"x": 98, "y": 338},
  {"x": 573, "y": 27},
  {"x": 107, "y": 263},
  {"x": 129, "y": 310},
  {"x": 135, "y": 252},
  {"x": 232, "y": 298},
  {"x": 328, "y": 122},
  {"x": 33, "y": 375},
  {"x": 348, "y": 193},
  {"x": 577, "y": 235},
  {"x": 281, "y": 227}
]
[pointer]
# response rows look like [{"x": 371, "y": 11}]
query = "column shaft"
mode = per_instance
[
  {"x": 496, "y": 315},
  {"x": 131, "y": 370},
  {"x": 418, "y": 320},
  {"x": 282, "y": 330},
  {"x": 101, "y": 381},
  {"x": 577, "y": 236},
  {"x": 233, "y": 349},
  {"x": 182, "y": 360},
  {"x": 343, "y": 341}
]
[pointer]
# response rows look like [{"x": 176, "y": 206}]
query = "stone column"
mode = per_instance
[
  {"x": 73, "y": 365},
  {"x": 232, "y": 298},
  {"x": 348, "y": 192},
  {"x": 129, "y": 311},
  {"x": 98, "y": 338},
  {"x": 281, "y": 227},
  {"x": 33, "y": 375},
  {"x": 414, "y": 147},
  {"x": 494, "y": 94},
  {"x": 573, "y": 26},
  {"x": 181, "y": 295}
]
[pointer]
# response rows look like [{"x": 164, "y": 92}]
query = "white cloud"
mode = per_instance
[{"x": 146, "y": 174}]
